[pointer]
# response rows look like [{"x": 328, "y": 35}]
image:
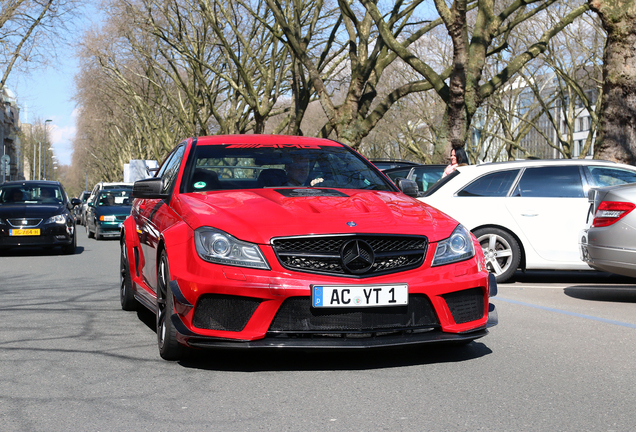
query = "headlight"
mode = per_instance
[
  {"x": 221, "y": 248},
  {"x": 458, "y": 247},
  {"x": 107, "y": 218},
  {"x": 58, "y": 219}
]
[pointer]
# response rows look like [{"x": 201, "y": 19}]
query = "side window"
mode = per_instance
[
  {"x": 169, "y": 174},
  {"x": 496, "y": 184},
  {"x": 551, "y": 182},
  {"x": 427, "y": 176},
  {"x": 608, "y": 176}
]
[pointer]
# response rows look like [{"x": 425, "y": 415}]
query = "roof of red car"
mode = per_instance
[{"x": 266, "y": 140}]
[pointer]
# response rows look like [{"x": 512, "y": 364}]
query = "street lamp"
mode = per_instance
[{"x": 45, "y": 144}]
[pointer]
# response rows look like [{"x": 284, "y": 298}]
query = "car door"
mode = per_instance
[
  {"x": 150, "y": 215},
  {"x": 550, "y": 205}
]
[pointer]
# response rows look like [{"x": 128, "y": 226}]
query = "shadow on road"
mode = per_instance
[
  {"x": 323, "y": 360},
  {"x": 36, "y": 251},
  {"x": 624, "y": 294},
  {"x": 556, "y": 276}
]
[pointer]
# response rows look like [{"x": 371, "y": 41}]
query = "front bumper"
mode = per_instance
[
  {"x": 50, "y": 235},
  {"x": 109, "y": 229},
  {"x": 328, "y": 340}
]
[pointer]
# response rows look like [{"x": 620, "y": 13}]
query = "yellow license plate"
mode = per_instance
[{"x": 24, "y": 232}]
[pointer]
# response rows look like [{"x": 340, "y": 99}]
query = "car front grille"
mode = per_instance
[
  {"x": 24, "y": 223},
  {"x": 328, "y": 254},
  {"x": 120, "y": 218},
  {"x": 224, "y": 312},
  {"x": 297, "y": 316},
  {"x": 466, "y": 305}
]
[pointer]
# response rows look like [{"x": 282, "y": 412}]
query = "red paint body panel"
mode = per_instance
[{"x": 260, "y": 215}]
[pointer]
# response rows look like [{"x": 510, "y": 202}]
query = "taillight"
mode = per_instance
[{"x": 610, "y": 212}]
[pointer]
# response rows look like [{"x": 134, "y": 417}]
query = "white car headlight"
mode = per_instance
[
  {"x": 458, "y": 247},
  {"x": 58, "y": 219},
  {"x": 219, "y": 247},
  {"x": 109, "y": 218}
]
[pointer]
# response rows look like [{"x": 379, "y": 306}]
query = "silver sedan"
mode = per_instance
[{"x": 609, "y": 242}]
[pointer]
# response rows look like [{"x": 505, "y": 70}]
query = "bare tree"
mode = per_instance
[
  {"x": 355, "y": 107},
  {"x": 30, "y": 30},
  {"x": 617, "y": 126},
  {"x": 477, "y": 30}
]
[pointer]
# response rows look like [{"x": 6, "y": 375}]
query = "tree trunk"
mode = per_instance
[{"x": 616, "y": 139}]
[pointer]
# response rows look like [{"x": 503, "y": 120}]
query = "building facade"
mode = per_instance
[{"x": 10, "y": 137}]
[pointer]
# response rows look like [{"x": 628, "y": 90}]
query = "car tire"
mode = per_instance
[
  {"x": 98, "y": 236},
  {"x": 169, "y": 347},
  {"x": 501, "y": 251},
  {"x": 126, "y": 296},
  {"x": 70, "y": 249}
]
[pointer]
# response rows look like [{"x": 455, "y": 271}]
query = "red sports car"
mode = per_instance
[{"x": 281, "y": 241}]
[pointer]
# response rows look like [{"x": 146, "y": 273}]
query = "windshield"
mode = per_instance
[
  {"x": 250, "y": 166},
  {"x": 112, "y": 197},
  {"x": 30, "y": 194}
]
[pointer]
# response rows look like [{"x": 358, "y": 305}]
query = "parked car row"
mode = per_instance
[
  {"x": 526, "y": 214},
  {"x": 275, "y": 241}
]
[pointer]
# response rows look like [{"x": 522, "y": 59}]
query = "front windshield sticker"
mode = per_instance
[
  {"x": 199, "y": 185},
  {"x": 276, "y": 146},
  {"x": 306, "y": 192}
]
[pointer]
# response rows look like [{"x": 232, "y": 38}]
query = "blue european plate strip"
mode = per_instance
[{"x": 564, "y": 312}]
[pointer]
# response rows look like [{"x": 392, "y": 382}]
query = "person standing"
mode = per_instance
[{"x": 458, "y": 157}]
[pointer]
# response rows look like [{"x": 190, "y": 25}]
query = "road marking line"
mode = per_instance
[{"x": 564, "y": 312}]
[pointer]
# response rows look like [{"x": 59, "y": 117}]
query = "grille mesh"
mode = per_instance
[
  {"x": 297, "y": 316},
  {"x": 322, "y": 254},
  {"x": 18, "y": 223},
  {"x": 224, "y": 312},
  {"x": 466, "y": 305}
]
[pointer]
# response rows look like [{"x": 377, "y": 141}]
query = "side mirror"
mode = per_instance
[
  {"x": 75, "y": 202},
  {"x": 408, "y": 187},
  {"x": 91, "y": 204},
  {"x": 151, "y": 188}
]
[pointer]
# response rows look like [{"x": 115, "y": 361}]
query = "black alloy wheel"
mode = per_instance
[
  {"x": 126, "y": 296},
  {"x": 169, "y": 348}
]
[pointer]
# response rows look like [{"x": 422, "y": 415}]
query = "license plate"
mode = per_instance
[
  {"x": 24, "y": 232},
  {"x": 332, "y": 296}
]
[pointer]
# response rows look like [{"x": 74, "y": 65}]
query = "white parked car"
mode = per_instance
[{"x": 526, "y": 214}]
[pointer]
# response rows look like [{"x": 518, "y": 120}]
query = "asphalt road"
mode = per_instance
[{"x": 561, "y": 359}]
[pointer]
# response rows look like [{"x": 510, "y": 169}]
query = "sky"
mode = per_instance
[{"x": 47, "y": 94}]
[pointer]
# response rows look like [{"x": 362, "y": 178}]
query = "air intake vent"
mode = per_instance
[{"x": 467, "y": 305}]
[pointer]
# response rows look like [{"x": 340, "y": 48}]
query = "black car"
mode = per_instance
[
  {"x": 384, "y": 164},
  {"x": 424, "y": 175},
  {"x": 36, "y": 213}
]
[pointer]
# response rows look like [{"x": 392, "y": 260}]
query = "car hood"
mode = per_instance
[
  {"x": 261, "y": 214},
  {"x": 30, "y": 211}
]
